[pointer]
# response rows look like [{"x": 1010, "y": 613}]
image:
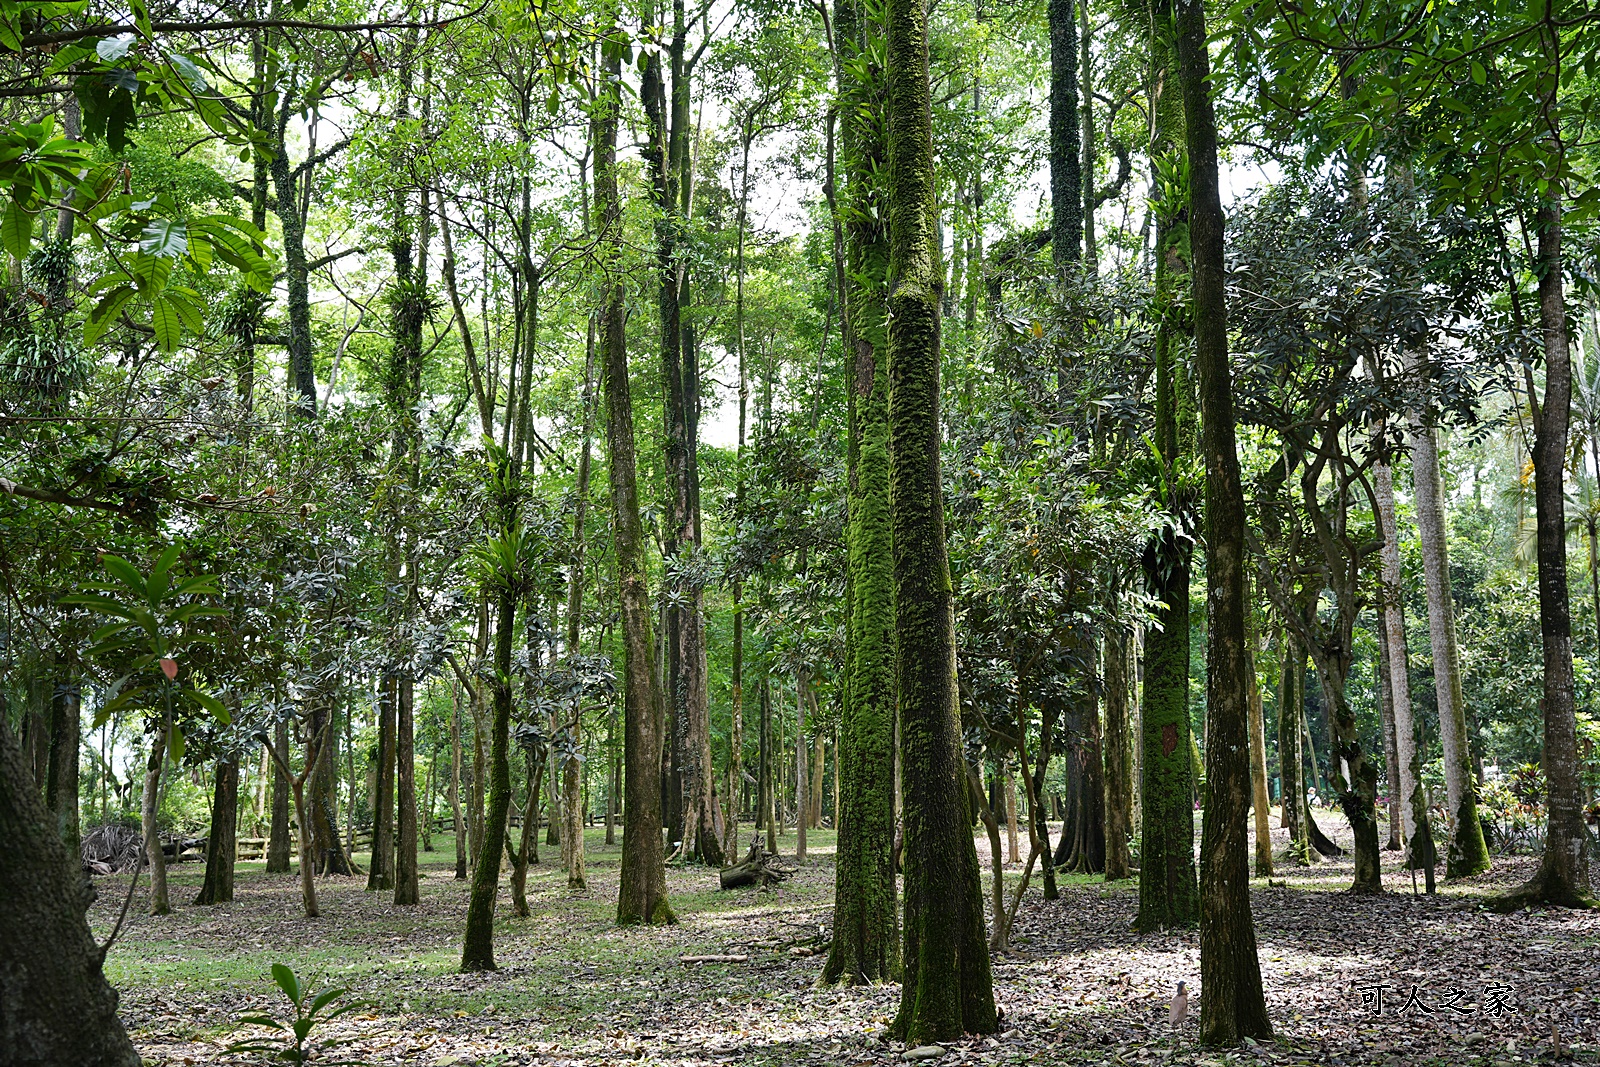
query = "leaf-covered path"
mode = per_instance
[{"x": 574, "y": 989}]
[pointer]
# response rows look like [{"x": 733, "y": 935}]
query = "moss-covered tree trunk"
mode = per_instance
[
  {"x": 946, "y": 987},
  {"x": 1232, "y": 1005},
  {"x": 477, "y": 947},
  {"x": 406, "y": 887},
  {"x": 1168, "y": 893},
  {"x": 217, "y": 888}
]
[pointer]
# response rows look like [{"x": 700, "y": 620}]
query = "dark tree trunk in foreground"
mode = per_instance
[
  {"x": 278, "y": 836},
  {"x": 1232, "y": 1004},
  {"x": 220, "y": 843},
  {"x": 56, "y": 1008},
  {"x": 946, "y": 986},
  {"x": 1563, "y": 875},
  {"x": 642, "y": 896}
]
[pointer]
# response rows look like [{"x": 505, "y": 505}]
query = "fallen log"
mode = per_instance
[
  {"x": 713, "y": 959},
  {"x": 759, "y": 867}
]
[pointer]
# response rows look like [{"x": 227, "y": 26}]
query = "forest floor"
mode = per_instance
[{"x": 1461, "y": 986}]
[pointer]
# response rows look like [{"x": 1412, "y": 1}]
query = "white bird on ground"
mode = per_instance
[{"x": 1180, "y": 1006}]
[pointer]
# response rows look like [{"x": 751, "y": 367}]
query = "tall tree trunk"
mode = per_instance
[
  {"x": 406, "y": 888},
  {"x": 322, "y": 804},
  {"x": 1291, "y": 756},
  {"x": 571, "y": 767},
  {"x": 946, "y": 987},
  {"x": 292, "y": 224},
  {"x": 1414, "y": 822},
  {"x": 642, "y": 895},
  {"x": 1168, "y": 893},
  {"x": 866, "y": 938},
  {"x": 802, "y": 807},
  {"x": 380, "y": 869},
  {"x": 1233, "y": 1006},
  {"x": 148, "y": 821},
  {"x": 1260, "y": 802},
  {"x": 1391, "y": 757},
  {"x": 477, "y": 949},
  {"x": 1066, "y": 173},
  {"x": 455, "y": 787},
  {"x": 1118, "y": 771},
  {"x": 220, "y": 842},
  {"x": 1468, "y": 853},
  {"x": 1563, "y": 875},
  {"x": 278, "y": 836},
  {"x": 61, "y": 784},
  {"x": 55, "y": 1004}
]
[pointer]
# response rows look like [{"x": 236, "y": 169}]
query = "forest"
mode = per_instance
[{"x": 844, "y": 532}]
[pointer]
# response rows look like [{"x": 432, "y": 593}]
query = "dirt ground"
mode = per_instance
[{"x": 1459, "y": 985}]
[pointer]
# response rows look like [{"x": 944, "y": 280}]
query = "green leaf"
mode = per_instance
[
  {"x": 103, "y": 604},
  {"x": 168, "y": 324},
  {"x": 175, "y": 744},
  {"x": 112, "y": 49},
  {"x": 324, "y": 998},
  {"x": 287, "y": 981},
  {"x": 16, "y": 230},
  {"x": 126, "y": 573},
  {"x": 168, "y": 238},
  {"x": 106, "y": 312},
  {"x": 213, "y": 705},
  {"x": 1479, "y": 75}
]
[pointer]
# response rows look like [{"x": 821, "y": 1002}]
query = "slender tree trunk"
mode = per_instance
[
  {"x": 380, "y": 869},
  {"x": 1011, "y": 815},
  {"x": 455, "y": 787},
  {"x": 1414, "y": 821},
  {"x": 406, "y": 888},
  {"x": 1391, "y": 758},
  {"x": 220, "y": 842},
  {"x": 1118, "y": 774},
  {"x": 946, "y": 987},
  {"x": 1468, "y": 853},
  {"x": 1233, "y": 1006},
  {"x": 1260, "y": 802},
  {"x": 571, "y": 767},
  {"x": 802, "y": 806},
  {"x": 154, "y": 856},
  {"x": 642, "y": 896},
  {"x": 278, "y": 837},
  {"x": 477, "y": 953},
  {"x": 1291, "y": 756},
  {"x": 1563, "y": 875}
]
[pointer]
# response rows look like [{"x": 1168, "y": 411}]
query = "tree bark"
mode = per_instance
[
  {"x": 380, "y": 869},
  {"x": 1118, "y": 772},
  {"x": 1414, "y": 822},
  {"x": 1468, "y": 853},
  {"x": 642, "y": 895},
  {"x": 278, "y": 837},
  {"x": 1260, "y": 802},
  {"x": 406, "y": 888},
  {"x": 455, "y": 787},
  {"x": 1563, "y": 875},
  {"x": 1233, "y": 1005},
  {"x": 61, "y": 785},
  {"x": 56, "y": 1007},
  {"x": 946, "y": 987},
  {"x": 1066, "y": 173},
  {"x": 148, "y": 821},
  {"x": 220, "y": 842}
]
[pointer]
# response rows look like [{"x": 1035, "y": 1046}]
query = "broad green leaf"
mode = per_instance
[
  {"x": 168, "y": 238},
  {"x": 106, "y": 312},
  {"x": 16, "y": 230},
  {"x": 126, "y": 573},
  {"x": 168, "y": 326},
  {"x": 112, "y": 49}
]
